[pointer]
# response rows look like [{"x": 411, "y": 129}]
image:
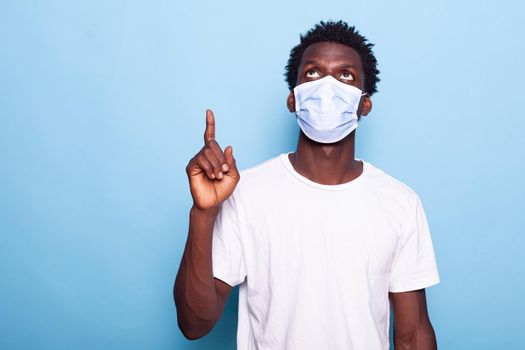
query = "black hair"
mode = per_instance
[{"x": 339, "y": 32}]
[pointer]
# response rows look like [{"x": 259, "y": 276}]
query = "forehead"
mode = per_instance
[{"x": 331, "y": 53}]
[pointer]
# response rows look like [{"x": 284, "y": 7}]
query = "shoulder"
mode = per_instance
[
  {"x": 390, "y": 189},
  {"x": 264, "y": 168},
  {"x": 396, "y": 200},
  {"x": 264, "y": 172},
  {"x": 260, "y": 177}
]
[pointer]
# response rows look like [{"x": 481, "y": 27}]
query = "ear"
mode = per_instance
[
  {"x": 365, "y": 106},
  {"x": 290, "y": 101}
]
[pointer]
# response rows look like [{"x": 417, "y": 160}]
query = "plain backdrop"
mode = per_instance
[{"x": 102, "y": 104}]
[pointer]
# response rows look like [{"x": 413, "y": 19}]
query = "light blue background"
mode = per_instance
[{"x": 102, "y": 105}]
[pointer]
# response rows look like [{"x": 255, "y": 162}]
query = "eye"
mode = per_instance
[
  {"x": 346, "y": 76},
  {"x": 312, "y": 74}
]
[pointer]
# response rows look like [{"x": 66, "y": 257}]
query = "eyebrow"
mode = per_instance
[
  {"x": 314, "y": 62},
  {"x": 348, "y": 66},
  {"x": 309, "y": 62}
]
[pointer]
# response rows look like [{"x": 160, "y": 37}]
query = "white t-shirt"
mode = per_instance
[{"x": 316, "y": 262}]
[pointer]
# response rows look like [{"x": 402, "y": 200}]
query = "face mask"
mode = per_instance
[{"x": 326, "y": 109}]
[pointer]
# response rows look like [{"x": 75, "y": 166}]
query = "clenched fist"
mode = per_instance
[{"x": 212, "y": 173}]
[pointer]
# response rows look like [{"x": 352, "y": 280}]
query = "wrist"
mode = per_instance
[{"x": 203, "y": 214}]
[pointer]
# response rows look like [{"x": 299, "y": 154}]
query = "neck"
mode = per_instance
[{"x": 327, "y": 164}]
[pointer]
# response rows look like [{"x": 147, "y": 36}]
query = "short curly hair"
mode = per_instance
[{"x": 339, "y": 32}]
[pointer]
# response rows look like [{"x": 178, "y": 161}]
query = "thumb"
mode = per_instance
[{"x": 230, "y": 160}]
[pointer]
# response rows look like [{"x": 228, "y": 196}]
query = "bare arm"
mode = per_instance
[
  {"x": 412, "y": 327},
  {"x": 199, "y": 297}
]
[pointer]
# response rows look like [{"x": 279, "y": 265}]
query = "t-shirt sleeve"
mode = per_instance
[
  {"x": 414, "y": 265},
  {"x": 227, "y": 254}
]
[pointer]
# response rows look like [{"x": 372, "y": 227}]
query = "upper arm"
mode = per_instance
[
  {"x": 411, "y": 322},
  {"x": 410, "y": 308},
  {"x": 223, "y": 292},
  {"x": 228, "y": 263},
  {"x": 414, "y": 265}
]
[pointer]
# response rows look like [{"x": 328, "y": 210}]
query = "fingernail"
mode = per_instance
[
  {"x": 225, "y": 167},
  {"x": 219, "y": 175},
  {"x": 212, "y": 176}
]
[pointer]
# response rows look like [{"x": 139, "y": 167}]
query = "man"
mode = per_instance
[{"x": 319, "y": 241}]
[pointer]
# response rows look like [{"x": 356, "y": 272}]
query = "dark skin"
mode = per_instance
[
  {"x": 199, "y": 297},
  {"x": 329, "y": 164}
]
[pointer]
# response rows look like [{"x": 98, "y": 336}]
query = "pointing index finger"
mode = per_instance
[{"x": 209, "y": 133}]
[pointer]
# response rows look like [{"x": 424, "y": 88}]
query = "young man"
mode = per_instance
[{"x": 319, "y": 241}]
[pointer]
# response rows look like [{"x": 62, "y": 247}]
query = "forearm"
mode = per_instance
[
  {"x": 420, "y": 338},
  {"x": 194, "y": 292}
]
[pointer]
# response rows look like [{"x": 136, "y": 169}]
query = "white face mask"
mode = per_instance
[{"x": 326, "y": 109}]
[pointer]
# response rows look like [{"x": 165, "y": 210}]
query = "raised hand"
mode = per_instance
[{"x": 212, "y": 173}]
